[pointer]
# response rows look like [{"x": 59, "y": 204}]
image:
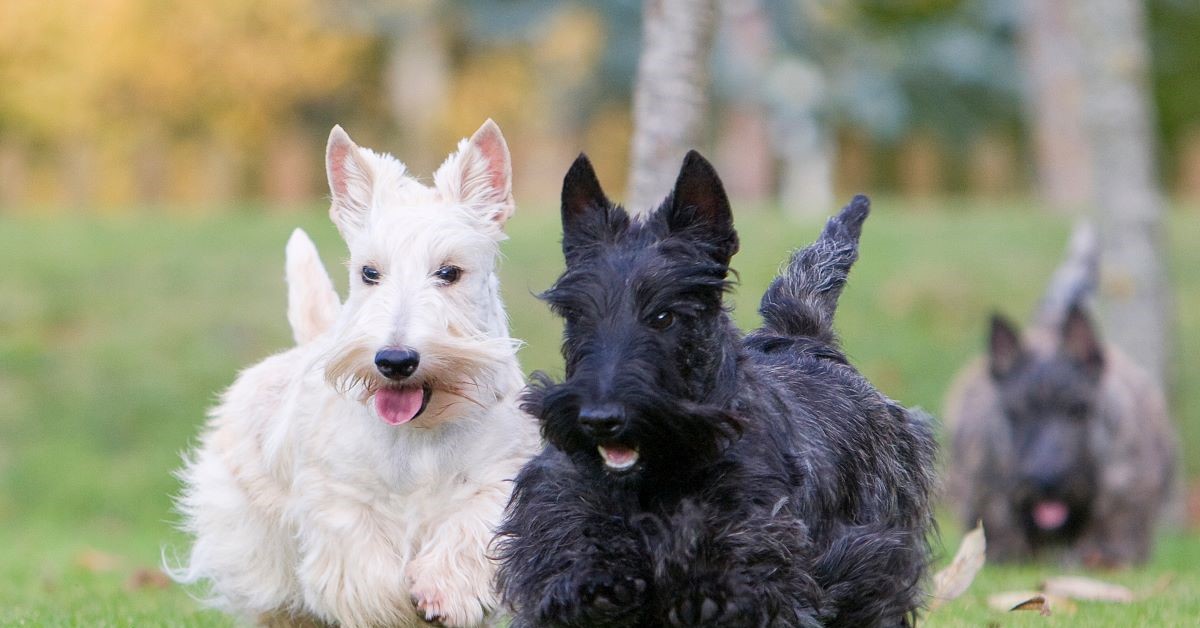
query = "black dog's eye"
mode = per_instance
[
  {"x": 448, "y": 274},
  {"x": 370, "y": 275},
  {"x": 661, "y": 321}
]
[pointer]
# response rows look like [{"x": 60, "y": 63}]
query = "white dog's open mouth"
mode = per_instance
[
  {"x": 397, "y": 406},
  {"x": 618, "y": 457}
]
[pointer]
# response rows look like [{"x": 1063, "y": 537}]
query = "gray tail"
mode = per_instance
[
  {"x": 803, "y": 298},
  {"x": 1075, "y": 279}
]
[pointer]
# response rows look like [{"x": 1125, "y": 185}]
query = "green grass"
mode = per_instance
[{"x": 116, "y": 334}]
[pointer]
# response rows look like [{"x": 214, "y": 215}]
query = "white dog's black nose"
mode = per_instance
[{"x": 397, "y": 363}]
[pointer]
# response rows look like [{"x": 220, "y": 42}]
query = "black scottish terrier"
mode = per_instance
[{"x": 696, "y": 477}]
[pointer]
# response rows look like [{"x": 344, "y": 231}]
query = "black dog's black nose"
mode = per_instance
[
  {"x": 397, "y": 363},
  {"x": 602, "y": 421}
]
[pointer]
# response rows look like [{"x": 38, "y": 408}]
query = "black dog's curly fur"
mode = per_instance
[{"x": 774, "y": 486}]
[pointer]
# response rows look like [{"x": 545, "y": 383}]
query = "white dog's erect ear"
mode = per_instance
[
  {"x": 350, "y": 181},
  {"x": 480, "y": 174}
]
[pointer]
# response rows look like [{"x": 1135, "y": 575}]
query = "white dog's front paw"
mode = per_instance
[{"x": 445, "y": 597}]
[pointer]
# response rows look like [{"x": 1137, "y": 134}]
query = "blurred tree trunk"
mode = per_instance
[
  {"x": 1129, "y": 207},
  {"x": 14, "y": 174},
  {"x": 219, "y": 171},
  {"x": 921, "y": 168},
  {"x": 78, "y": 170},
  {"x": 671, "y": 94},
  {"x": 1188, "y": 184},
  {"x": 1054, "y": 97},
  {"x": 417, "y": 82},
  {"x": 289, "y": 173},
  {"x": 743, "y": 151},
  {"x": 802, "y": 137},
  {"x": 150, "y": 166}
]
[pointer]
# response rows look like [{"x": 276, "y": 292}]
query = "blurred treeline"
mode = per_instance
[{"x": 107, "y": 105}]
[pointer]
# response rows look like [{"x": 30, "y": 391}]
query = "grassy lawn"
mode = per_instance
[{"x": 115, "y": 334}]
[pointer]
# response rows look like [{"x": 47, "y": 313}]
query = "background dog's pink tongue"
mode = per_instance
[
  {"x": 1049, "y": 515},
  {"x": 399, "y": 405}
]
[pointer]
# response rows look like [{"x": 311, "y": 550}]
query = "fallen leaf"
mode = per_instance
[
  {"x": 96, "y": 561},
  {"x": 1007, "y": 600},
  {"x": 147, "y": 578},
  {"x": 1080, "y": 588},
  {"x": 956, "y": 578},
  {"x": 1017, "y": 600},
  {"x": 1036, "y": 603}
]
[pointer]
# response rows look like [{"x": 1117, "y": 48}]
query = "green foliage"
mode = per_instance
[
  {"x": 1173, "y": 25},
  {"x": 116, "y": 334}
]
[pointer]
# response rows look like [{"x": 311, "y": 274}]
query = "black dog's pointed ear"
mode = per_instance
[
  {"x": 582, "y": 197},
  {"x": 1080, "y": 343},
  {"x": 700, "y": 208},
  {"x": 581, "y": 192},
  {"x": 1005, "y": 352}
]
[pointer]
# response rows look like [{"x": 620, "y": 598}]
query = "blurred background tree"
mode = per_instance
[
  {"x": 670, "y": 100},
  {"x": 138, "y": 101},
  {"x": 1118, "y": 119},
  {"x": 115, "y": 332},
  {"x": 115, "y": 104}
]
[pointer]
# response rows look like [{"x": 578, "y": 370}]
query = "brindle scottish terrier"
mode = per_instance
[{"x": 1061, "y": 444}]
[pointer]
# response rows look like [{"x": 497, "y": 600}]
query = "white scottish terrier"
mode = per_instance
[{"x": 356, "y": 479}]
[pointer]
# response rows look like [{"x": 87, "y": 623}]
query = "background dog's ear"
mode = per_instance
[
  {"x": 1005, "y": 352},
  {"x": 1080, "y": 342},
  {"x": 700, "y": 208},
  {"x": 479, "y": 175},
  {"x": 581, "y": 195},
  {"x": 350, "y": 182}
]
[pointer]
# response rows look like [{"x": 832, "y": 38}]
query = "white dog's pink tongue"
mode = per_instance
[
  {"x": 399, "y": 405},
  {"x": 1050, "y": 514}
]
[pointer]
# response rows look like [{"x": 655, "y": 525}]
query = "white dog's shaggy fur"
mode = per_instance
[{"x": 305, "y": 505}]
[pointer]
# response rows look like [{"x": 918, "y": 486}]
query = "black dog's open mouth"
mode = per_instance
[
  {"x": 400, "y": 405},
  {"x": 618, "y": 457}
]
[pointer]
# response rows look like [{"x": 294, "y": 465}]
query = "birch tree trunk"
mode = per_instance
[
  {"x": 1050, "y": 52},
  {"x": 1129, "y": 207},
  {"x": 670, "y": 98}
]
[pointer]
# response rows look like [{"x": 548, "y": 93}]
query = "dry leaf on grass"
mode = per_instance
[
  {"x": 1036, "y": 603},
  {"x": 96, "y": 561},
  {"x": 954, "y": 580},
  {"x": 1080, "y": 588},
  {"x": 1020, "y": 600},
  {"x": 147, "y": 578}
]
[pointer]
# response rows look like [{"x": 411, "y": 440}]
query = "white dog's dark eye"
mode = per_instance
[
  {"x": 448, "y": 274},
  {"x": 661, "y": 321},
  {"x": 370, "y": 275}
]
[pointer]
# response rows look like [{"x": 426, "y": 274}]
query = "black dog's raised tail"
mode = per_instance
[{"x": 803, "y": 298}]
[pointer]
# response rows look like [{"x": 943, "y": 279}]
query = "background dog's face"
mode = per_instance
[
  {"x": 645, "y": 332},
  {"x": 1050, "y": 402},
  {"x": 423, "y": 315}
]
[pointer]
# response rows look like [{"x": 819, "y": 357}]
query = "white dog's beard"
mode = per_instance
[{"x": 474, "y": 370}]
